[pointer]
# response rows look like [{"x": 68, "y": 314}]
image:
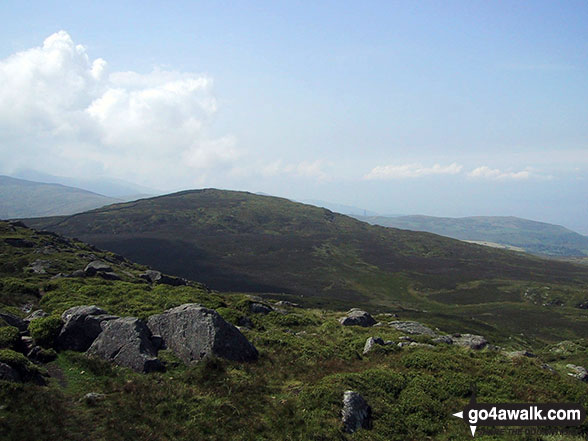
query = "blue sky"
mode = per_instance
[{"x": 445, "y": 108}]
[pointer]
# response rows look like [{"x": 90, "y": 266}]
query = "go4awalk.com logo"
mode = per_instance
[{"x": 521, "y": 414}]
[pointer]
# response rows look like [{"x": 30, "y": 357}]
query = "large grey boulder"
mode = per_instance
[
  {"x": 127, "y": 342},
  {"x": 81, "y": 326},
  {"x": 413, "y": 328},
  {"x": 356, "y": 413},
  {"x": 371, "y": 342},
  {"x": 470, "y": 341},
  {"x": 357, "y": 317},
  {"x": 193, "y": 332}
]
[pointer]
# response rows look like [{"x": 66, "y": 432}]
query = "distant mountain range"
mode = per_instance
[
  {"x": 22, "y": 198},
  {"x": 509, "y": 232}
]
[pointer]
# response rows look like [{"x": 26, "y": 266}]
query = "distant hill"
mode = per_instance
[
  {"x": 238, "y": 241},
  {"x": 530, "y": 236},
  {"x": 21, "y": 198}
]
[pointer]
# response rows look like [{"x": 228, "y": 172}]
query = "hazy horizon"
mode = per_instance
[{"x": 454, "y": 109}]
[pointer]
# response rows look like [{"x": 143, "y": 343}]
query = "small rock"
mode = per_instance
[
  {"x": 109, "y": 275},
  {"x": 260, "y": 308},
  {"x": 443, "y": 339},
  {"x": 150, "y": 276},
  {"x": 39, "y": 266},
  {"x": 414, "y": 328},
  {"x": 288, "y": 304},
  {"x": 470, "y": 341},
  {"x": 78, "y": 273},
  {"x": 39, "y": 313},
  {"x": 356, "y": 413},
  {"x": 357, "y": 317},
  {"x": 579, "y": 372},
  {"x": 370, "y": 343},
  {"x": 519, "y": 354},
  {"x": 415, "y": 344},
  {"x": 97, "y": 266},
  {"x": 93, "y": 398}
]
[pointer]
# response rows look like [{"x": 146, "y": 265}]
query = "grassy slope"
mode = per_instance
[
  {"x": 533, "y": 237},
  {"x": 293, "y": 392},
  {"x": 21, "y": 198},
  {"x": 235, "y": 241}
]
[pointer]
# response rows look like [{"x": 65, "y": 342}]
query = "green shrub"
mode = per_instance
[
  {"x": 45, "y": 330},
  {"x": 8, "y": 337},
  {"x": 230, "y": 315}
]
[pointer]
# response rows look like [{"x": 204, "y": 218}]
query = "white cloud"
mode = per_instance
[
  {"x": 485, "y": 172},
  {"x": 63, "y": 113},
  {"x": 411, "y": 171}
]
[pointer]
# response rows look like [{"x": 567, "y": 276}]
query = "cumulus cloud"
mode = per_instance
[
  {"x": 64, "y": 113},
  {"x": 383, "y": 172},
  {"x": 485, "y": 172}
]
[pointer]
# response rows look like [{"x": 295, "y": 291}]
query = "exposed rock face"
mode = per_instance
[
  {"x": 414, "y": 328},
  {"x": 470, "y": 341},
  {"x": 153, "y": 276},
  {"x": 519, "y": 354},
  {"x": 81, "y": 327},
  {"x": 97, "y": 266},
  {"x": 260, "y": 308},
  {"x": 150, "y": 276},
  {"x": 357, "y": 317},
  {"x": 39, "y": 313},
  {"x": 356, "y": 413},
  {"x": 282, "y": 303},
  {"x": 578, "y": 372},
  {"x": 194, "y": 332},
  {"x": 127, "y": 342},
  {"x": 109, "y": 275}
]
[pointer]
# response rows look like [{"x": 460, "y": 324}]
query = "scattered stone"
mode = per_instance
[
  {"x": 8, "y": 373},
  {"x": 150, "y": 276},
  {"x": 579, "y": 372},
  {"x": 357, "y": 317},
  {"x": 549, "y": 368},
  {"x": 78, "y": 273},
  {"x": 39, "y": 313},
  {"x": 81, "y": 326},
  {"x": 93, "y": 398},
  {"x": 380, "y": 324},
  {"x": 194, "y": 332},
  {"x": 18, "y": 242},
  {"x": 371, "y": 342},
  {"x": 15, "y": 321},
  {"x": 414, "y": 328},
  {"x": 356, "y": 413},
  {"x": 389, "y": 314},
  {"x": 97, "y": 266},
  {"x": 583, "y": 305},
  {"x": 260, "y": 308},
  {"x": 520, "y": 354},
  {"x": 443, "y": 339},
  {"x": 109, "y": 275},
  {"x": 406, "y": 338},
  {"x": 470, "y": 341},
  {"x": 39, "y": 266},
  {"x": 288, "y": 304},
  {"x": 26, "y": 344},
  {"x": 127, "y": 342}
]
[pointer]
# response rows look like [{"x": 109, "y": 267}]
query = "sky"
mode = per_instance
[{"x": 453, "y": 108}]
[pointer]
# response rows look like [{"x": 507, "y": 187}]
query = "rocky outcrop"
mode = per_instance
[
  {"x": 442, "y": 339},
  {"x": 578, "y": 372},
  {"x": 127, "y": 342},
  {"x": 97, "y": 266},
  {"x": 81, "y": 326},
  {"x": 283, "y": 303},
  {"x": 372, "y": 342},
  {"x": 357, "y": 317},
  {"x": 13, "y": 320},
  {"x": 153, "y": 276},
  {"x": 413, "y": 328},
  {"x": 470, "y": 341},
  {"x": 193, "y": 332},
  {"x": 356, "y": 413}
]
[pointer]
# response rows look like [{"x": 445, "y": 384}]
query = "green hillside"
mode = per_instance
[
  {"x": 294, "y": 391},
  {"x": 21, "y": 198},
  {"x": 236, "y": 241},
  {"x": 530, "y": 236}
]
